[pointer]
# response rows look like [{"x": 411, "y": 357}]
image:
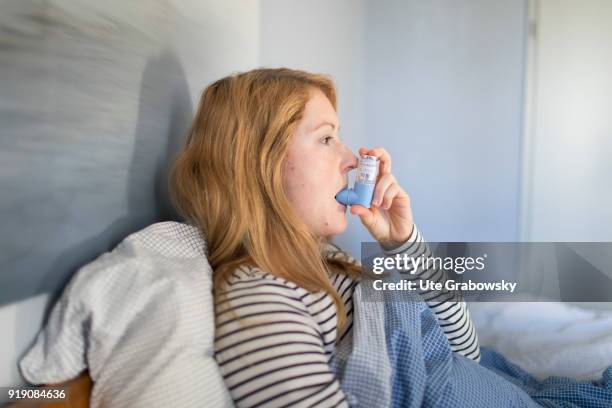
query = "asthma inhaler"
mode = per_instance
[{"x": 367, "y": 171}]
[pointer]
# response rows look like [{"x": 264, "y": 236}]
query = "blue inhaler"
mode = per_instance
[{"x": 367, "y": 171}]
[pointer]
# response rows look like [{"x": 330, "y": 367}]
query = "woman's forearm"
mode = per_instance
[{"x": 448, "y": 305}]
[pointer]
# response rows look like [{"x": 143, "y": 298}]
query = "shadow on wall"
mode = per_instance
[{"x": 164, "y": 116}]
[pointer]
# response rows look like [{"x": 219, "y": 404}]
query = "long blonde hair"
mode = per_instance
[{"x": 228, "y": 179}]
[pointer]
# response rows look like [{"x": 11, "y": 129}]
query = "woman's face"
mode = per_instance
[{"x": 317, "y": 168}]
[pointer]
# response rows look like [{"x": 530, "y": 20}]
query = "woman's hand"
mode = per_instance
[{"x": 389, "y": 218}]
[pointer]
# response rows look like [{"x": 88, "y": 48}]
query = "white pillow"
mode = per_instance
[{"x": 141, "y": 319}]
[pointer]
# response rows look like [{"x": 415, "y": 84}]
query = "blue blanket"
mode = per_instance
[{"x": 398, "y": 356}]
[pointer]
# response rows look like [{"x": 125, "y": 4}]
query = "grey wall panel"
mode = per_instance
[{"x": 94, "y": 102}]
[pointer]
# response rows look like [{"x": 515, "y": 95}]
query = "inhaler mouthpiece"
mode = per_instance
[{"x": 363, "y": 191}]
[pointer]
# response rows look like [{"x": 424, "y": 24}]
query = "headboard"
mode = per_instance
[
  {"x": 85, "y": 151},
  {"x": 94, "y": 105}
]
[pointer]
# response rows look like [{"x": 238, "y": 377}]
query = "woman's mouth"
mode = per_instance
[{"x": 340, "y": 205}]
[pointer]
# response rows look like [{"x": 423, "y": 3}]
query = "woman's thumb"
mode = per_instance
[{"x": 366, "y": 215}]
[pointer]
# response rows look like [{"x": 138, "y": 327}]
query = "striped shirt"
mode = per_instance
[{"x": 274, "y": 339}]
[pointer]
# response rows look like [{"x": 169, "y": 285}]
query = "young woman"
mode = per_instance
[{"x": 258, "y": 175}]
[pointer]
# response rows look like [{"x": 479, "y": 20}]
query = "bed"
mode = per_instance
[{"x": 548, "y": 338}]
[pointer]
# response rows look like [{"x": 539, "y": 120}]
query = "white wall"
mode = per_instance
[
  {"x": 20, "y": 321},
  {"x": 569, "y": 163},
  {"x": 444, "y": 95}
]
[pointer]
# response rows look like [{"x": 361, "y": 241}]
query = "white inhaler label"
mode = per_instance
[{"x": 367, "y": 170}]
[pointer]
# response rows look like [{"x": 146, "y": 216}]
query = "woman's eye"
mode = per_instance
[{"x": 326, "y": 139}]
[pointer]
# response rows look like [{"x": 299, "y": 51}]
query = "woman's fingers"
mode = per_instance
[
  {"x": 390, "y": 194},
  {"x": 382, "y": 186}
]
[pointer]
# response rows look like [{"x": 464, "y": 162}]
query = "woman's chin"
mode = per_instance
[
  {"x": 334, "y": 224},
  {"x": 338, "y": 226}
]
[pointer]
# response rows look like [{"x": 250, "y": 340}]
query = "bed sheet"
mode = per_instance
[{"x": 547, "y": 338}]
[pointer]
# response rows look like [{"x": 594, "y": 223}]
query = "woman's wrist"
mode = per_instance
[{"x": 389, "y": 245}]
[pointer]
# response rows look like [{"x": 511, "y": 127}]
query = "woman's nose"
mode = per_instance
[{"x": 350, "y": 160}]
